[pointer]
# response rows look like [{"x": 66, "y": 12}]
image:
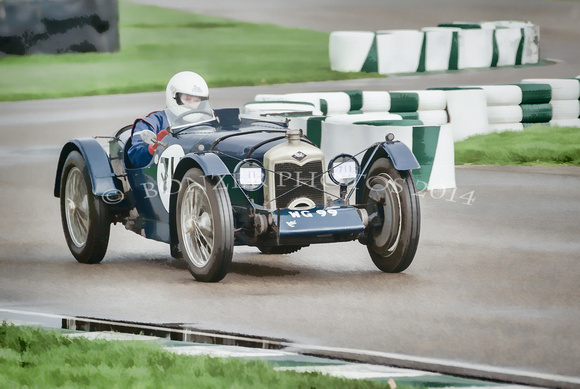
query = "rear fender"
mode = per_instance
[{"x": 103, "y": 180}]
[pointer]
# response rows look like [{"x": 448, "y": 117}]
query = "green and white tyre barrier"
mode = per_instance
[
  {"x": 516, "y": 94},
  {"x": 418, "y": 100},
  {"x": 403, "y": 101},
  {"x": 512, "y": 43},
  {"x": 449, "y": 46},
  {"x": 528, "y": 51},
  {"x": 428, "y": 105},
  {"x": 562, "y": 88},
  {"x": 513, "y": 107},
  {"x": 376, "y": 101},
  {"x": 329, "y": 103},
  {"x": 432, "y": 145},
  {"x": 348, "y": 50},
  {"x": 399, "y": 51},
  {"x": 427, "y": 121},
  {"x": 563, "y": 108},
  {"x": 517, "y": 42}
]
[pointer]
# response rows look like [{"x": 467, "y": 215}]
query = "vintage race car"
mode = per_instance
[{"x": 230, "y": 180}]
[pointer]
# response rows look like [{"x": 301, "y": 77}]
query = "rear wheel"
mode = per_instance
[
  {"x": 85, "y": 217},
  {"x": 394, "y": 216},
  {"x": 205, "y": 226}
]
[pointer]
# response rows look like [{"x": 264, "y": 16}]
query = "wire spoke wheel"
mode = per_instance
[
  {"x": 85, "y": 217},
  {"x": 391, "y": 200},
  {"x": 196, "y": 222},
  {"x": 205, "y": 226},
  {"x": 76, "y": 209}
]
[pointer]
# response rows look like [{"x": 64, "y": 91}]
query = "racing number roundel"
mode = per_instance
[{"x": 166, "y": 167}]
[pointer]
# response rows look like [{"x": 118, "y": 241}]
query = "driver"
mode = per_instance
[{"x": 185, "y": 91}]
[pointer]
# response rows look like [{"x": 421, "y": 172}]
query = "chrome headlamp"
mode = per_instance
[
  {"x": 343, "y": 169},
  {"x": 250, "y": 174}
]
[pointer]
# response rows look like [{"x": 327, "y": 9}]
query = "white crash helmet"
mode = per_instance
[{"x": 188, "y": 83}]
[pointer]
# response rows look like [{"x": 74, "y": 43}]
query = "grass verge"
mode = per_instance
[
  {"x": 536, "y": 145},
  {"x": 35, "y": 358},
  {"x": 156, "y": 43}
]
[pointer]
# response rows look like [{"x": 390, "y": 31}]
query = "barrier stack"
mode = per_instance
[
  {"x": 448, "y": 46},
  {"x": 427, "y": 121},
  {"x": 351, "y": 121},
  {"x": 425, "y": 105},
  {"x": 563, "y": 109}
]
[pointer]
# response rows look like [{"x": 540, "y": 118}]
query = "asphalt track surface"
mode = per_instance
[{"x": 495, "y": 280}]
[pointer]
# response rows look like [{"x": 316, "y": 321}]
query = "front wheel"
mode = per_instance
[
  {"x": 85, "y": 217},
  {"x": 205, "y": 226},
  {"x": 391, "y": 200}
]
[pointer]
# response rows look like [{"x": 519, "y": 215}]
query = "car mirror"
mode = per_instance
[{"x": 148, "y": 137}]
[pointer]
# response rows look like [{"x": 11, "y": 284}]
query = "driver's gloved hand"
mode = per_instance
[{"x": 160, "y": 135}]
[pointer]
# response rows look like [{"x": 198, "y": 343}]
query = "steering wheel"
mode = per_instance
[{"x": 191, "y": 112}]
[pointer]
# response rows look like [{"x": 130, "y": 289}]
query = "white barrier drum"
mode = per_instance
[
  {"x": 442, "y": 175},
  {"x": 475, "y": 48},
  {"x": 348, "y": 50},
  {"x": 508, "y": 44},
  {"x": 438, "y": 48},
  {"x": 529, "y": 33},
  {"x": 467, "y": 112},
  {"x": 399, "y": 51}
]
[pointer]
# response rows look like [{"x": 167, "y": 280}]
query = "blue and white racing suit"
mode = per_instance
[{"x": 140, "y": 153}]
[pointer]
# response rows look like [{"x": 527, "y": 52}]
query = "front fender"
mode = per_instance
[
  {"x": 209, "y": 163},
  {"x": 398, "y": 152},
  {"x": 103, "y": 179},
  {"x": 402, "y": 157}
]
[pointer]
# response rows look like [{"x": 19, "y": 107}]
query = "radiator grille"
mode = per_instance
[{"x": 294, "y": 181}]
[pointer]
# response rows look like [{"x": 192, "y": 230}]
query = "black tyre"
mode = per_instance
[
  {"x": 205, "y": 226},
  {"x": 85, "y": 217},
  {"x": 279, "y": 249},
  {"x": 394, "y": 214}
]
